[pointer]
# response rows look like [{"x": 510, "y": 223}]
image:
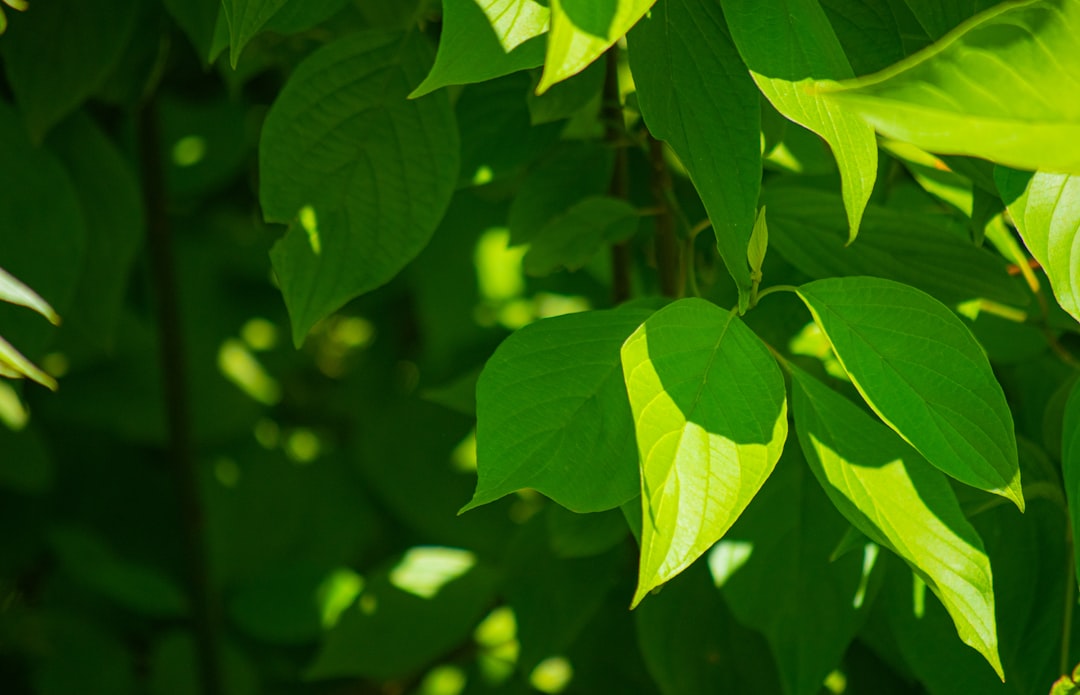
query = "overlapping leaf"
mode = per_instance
[
  {"x": 924, "y": 374},
  {"x": 581, "y": 30},
  {"x": 1005, "y": 86},
  {"x": 898, "y": 500},
  {"x": 245, "y": 18},
  {"x": 485, "y": 39},
  {"x": 696, "y": 95},
  {"x": 571, "y": 239},
  {"x": 809, "y": 229},
  {"x": 1046, "y": 209},
  {"x": 362, "y": 174},
  {"x": 710, "y": 416},
  {"x": 552, "y": 413},
  {"x": 791, "y": 48}
]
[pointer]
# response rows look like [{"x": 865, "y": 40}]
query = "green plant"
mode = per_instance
[{"x": 670, "y": 346}]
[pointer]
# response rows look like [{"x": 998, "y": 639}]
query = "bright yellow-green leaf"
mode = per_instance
[
  {"x": 922, "y": 371},
  {"x": 581, "y": 30},
  {"x": 15, "y": 292},
  {"x": 710, "y": 415},
  {"x": 890, "y": 493},
  {"x": 1004, "y": 86},
  {"x": 13, "y": 364},
  {"x": 1046, "y": 209},
  {"x": 792, "y": 50}
]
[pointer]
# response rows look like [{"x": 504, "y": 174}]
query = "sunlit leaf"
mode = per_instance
[
  {"x": 1003, "y": 87},
  {"x": 1046, "y": 210},
  {"x": 924, "y": 374},
  {"x": 696, "y": 95},
  {"x": 791, "y": 49},
  {"x": 361, "y": 174},
  {"x": 711, "y": 418},
  {"x": 890, "y": 493}
]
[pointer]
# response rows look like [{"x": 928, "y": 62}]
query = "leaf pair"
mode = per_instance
[{"x": 12, "y": 362}]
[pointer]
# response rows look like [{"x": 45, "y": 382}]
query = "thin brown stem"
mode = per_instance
[
  {"x": 614, "y": 135},
  {"x": 177, "y": 406},
  {"x": 668, "y": 262}
]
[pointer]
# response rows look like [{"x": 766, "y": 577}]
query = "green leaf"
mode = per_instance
[
  {"x": 791, "y": 50},
  {"x": 59, "y": 53},
  {"x": 300, "y": 15},
  {"x": 696, "y": 95},
  {"x": 13, "y": 364},
  {"x": 875, "y": 33},
  {"x": 924, "y": 374},
  {"x": 552, "y": 413},
  {"x": 568, "y": 97},
  {"x": 573, "y": 535},
  {"x": 245, "y": 18},
  {"x": 198, "y": 19},
  {"x": 711, "y": 418},
  {"x": 485, "y": 39},
  {"x": 1046, "y": 210},
  {"x": 362, "y": 175},
  {"x": 1003, "y": 87},
  {"x": 1070, "y": 461},
  {"x": 809, "y": 229},
  {"x": 581, "y": 30},
  {"x": 15, "y": 292},
  {"x": 890, "y": 493},
  {"x": 376, "y": 636},
  {"x": 571, "y": 239},
  {"x": 759, "y": 244},
  {"x": 938, "y": 18}
]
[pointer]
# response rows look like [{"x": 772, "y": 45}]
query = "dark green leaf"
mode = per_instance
[
  {"x": 245, "y": 18},
  {"x": 571, "y": 239},
  {"x": 568, "y": 97},
  {"x": 362, "y": 175},
  {"x": 939, "y": 18},
  {"x": 695, "y": 94}
]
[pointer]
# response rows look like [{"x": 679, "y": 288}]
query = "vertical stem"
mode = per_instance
[
  {"x": 611, "y": 113},
  {"x": 667, "y": 246},
  {"x": 1070, "y": 600},
  {"x": 177, "y": 408}
]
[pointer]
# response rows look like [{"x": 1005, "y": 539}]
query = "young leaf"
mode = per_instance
[
  {"x": 485, "y": 39},
  {"x": 58, "y": 53},
  {"x": 552, "y": 413},
  {"x": 696, "y": 95},
  {"x": 1003, "y": 87},
  {"x": 362, "y": 174},
  {"x": 1070, "y": 461},
  {"x": 14, "y": 365},
  {"x": 759, "y": 244},
  {"x": 15, "y": 292},
  {"x": 890, "y": 493},
  {"x": 711, "y": 418},
  {"x": 1046, "y": 210},
  {"x": 808, "y": 228},
  {"x": 245, "y": 18},
  {"x": 924, "y": 374},
  {"x": 581, "y": 30},
  {"x": 791, "y": 48}
]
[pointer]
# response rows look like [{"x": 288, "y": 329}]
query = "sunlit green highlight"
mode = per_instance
[
  {"x": 259, "y": 334},
  {"x": 836, "y": 683},
  {"x": 463, "y": 457},
  {"x": 241, "y": 368},
  {"x": 189, "y": 150},
  {"x": 811, "y": 341},
  {"x": 336, "y": 593},
  {"x": 443, "y": 680},
  {"x": 310, "y": 222},
  {"x": 483, "y": 175},
  {"x": 870, "y": 555},
  {"x": 303, "y": 445},
  {"x": 552, "y": 675},
  {"x": 918, "y": 595},
  {"x": 12, "y": 411},
  {"x": 725, "y": 559},
  {"x": 498, "y": 266},
  {"x": 425, "y": 570},
  {"x": 499, "y": 627},
  {"x": 226, "y": 472}
]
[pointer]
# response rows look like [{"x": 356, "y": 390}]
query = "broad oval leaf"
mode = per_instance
[
  {"x": 581, "y": 30},
  {"x": 362, "y": 174},
  {"x": 1046, "y": 210},
  {"x": 710, "y": 416},
  {"x": 890, "y": 493},
  {"x": 924, "y": 374},
  {"x": 1004, "y": 86},
  {"x": 1070, "y": 461},
  {"x": 552, "y": 413},
  {"x": 809, "y": 229},
  {"x": 245, "y": 18},
  {"x": 791, "y": 49},
  {"x": 485, "y": 39},
  {"x": 696, "y": 95}
]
